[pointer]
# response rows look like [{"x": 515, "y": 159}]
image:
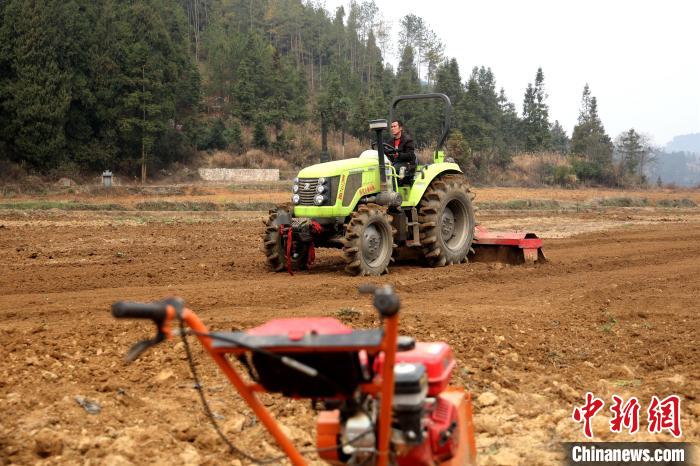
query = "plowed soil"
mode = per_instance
[{"x": 614, "y": 311}]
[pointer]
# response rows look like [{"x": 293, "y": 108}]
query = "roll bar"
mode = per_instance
[{"x": 447, "y": 112}]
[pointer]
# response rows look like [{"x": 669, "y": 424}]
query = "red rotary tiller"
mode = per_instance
[{"x": 385, "y": 399}]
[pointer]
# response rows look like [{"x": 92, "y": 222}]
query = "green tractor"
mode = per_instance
[{"x": 357, "y": 205}]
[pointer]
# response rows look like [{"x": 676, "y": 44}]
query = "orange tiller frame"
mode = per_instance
[{"x": 384, "y": 386}]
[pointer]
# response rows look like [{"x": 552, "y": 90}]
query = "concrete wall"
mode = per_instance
[{"x": 239, "y": 174}]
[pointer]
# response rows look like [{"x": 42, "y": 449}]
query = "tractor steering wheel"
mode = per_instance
[{"x": 389, "y": 149}]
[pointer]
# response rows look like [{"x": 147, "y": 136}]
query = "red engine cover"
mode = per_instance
[
  {"x": 442, "y": 439},
  {"x": 443, "y": 430},
  {"x": 437, "y": 358}
]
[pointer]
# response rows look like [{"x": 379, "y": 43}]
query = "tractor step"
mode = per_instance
[
  {"x": 511, "y": 247},
  {"x": 413, "y": 225}
]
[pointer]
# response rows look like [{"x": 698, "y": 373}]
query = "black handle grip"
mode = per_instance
[
  {"x": 385, "y": 300},
  {"x": 130, "y": 310}
]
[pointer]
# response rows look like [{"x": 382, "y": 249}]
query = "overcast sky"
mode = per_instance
[{"x": 640, "y": 58}]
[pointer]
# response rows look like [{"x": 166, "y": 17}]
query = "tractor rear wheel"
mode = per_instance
[
  {"x": 274, "y": 244},
  {"x": 368, "y": 244},
  {"x": 446, "y": 219}
]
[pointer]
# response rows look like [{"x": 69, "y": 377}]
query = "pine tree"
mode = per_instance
[
  {"x": 407, "y": 74},
  {"x": 433, "y": 54},
  {"x": 156, "y": 70},
  {"x": 536, "y": 116},
  {"x": 42, "y": 86},
  {"x": 630, "y": 152},
  {"x": 458, "y": 148},
  {"x": 489, "y": 106},
  {"x": 287, "y": 95},
  {"x": 252, "y": 84},
  {"x": 415, "y": 115},
  {"x": 234, "y": 136},
  {"x": 510, "y": 124},
  {"x": 260, "y": 139},
  {"x": 469, "y": 115},
  {"x": 591, "y": 144},
  {"x": 481, "y": 116},
  {"x": 412, "y": 35},
  {"x": 449, "y": 82},
  {"x": 634, "y": 153},
  {"x": 559, "y": 138}
]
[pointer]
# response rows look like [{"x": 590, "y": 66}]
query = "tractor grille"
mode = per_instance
[{"x": 307, "y": 190}]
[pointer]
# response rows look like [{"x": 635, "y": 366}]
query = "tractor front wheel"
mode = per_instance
[
  {"x": 368, "y": 244},
  {"x": 274, "y": 246},
  {"x": 446, "y": 219}
]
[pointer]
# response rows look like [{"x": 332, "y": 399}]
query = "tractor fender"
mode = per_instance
[{"x": 424, "y": 177}]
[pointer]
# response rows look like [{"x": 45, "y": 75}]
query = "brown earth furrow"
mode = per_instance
[{"x": 614, "y": 311}]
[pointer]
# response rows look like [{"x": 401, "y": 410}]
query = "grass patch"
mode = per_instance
[
  {"x": 623, "y": 383},
  {"x": 278, "y": 186},
  {"x": 685, "y": 202},
  {"x": 624, "y": 202},
  {"x": 188, "y": 206},
  {"x": 249, "y": 206},
  {"x": 146, "y": 206},
  {"x": 551, "y": 204},
  {"x": 347, "y": 314},
  {"x": 126, "y": 219},
  {"x": 184, "y": 206},
  {"x": 60, "y": 205},
  {"x": 521, "y": 204},
  {"x": 609, "y": 326}
]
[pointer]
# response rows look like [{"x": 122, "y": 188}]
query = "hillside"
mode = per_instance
[
  {"x": 680, "y": 168},
  {"x": 685, "y": 143}
]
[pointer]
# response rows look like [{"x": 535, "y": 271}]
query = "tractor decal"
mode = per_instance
[
  {"x": 370, "y": 188},
  {"x": 341, "y": 188}
]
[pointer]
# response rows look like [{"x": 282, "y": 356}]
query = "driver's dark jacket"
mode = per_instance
[
  {"x": 404, "y": 156},
  {"x": 406, "y": 150}
]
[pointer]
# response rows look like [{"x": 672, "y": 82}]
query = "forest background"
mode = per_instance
[{"x": 147, "y": 88}]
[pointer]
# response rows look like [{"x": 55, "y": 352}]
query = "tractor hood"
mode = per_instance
[{"x": 337, "y": 167}]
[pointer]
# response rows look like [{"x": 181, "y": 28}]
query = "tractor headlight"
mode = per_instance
[
  {"x": 296, "y": 180},
  {"x": 295, "y": 188},
  {"x": 319, "y": 199},
  {"x": 320, "y": 188},
  {"x": 321, "y": 180},
  {"x": 296, "y": 199}
]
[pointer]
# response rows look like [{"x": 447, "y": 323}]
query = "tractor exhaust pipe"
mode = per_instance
[
  {"x": 386, "y": 196},
  {"x": 378, "y": 126}
]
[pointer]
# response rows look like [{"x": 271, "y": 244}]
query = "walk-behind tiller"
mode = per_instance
[{"x": 385, "y": 399}]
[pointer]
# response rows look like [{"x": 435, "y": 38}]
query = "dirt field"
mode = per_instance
[{"x": 613, "y": 312}]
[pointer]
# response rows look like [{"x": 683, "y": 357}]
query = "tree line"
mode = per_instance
[{"x": 86, "y": 86}]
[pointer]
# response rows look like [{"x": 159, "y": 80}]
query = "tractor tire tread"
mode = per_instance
[{"x": 439, "y": 194}]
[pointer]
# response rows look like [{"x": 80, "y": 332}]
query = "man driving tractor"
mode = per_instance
[{"x": 403, "y": 157}]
